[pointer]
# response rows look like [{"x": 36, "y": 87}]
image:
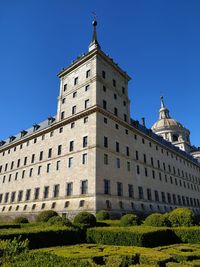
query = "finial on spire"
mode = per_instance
[
  {"x": 162, "y": 102},
  {"x": 94, "y": 43}
]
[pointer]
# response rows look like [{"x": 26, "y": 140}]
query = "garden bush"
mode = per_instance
[
  {"x": 59, "y": 221},
  {"x": 188, "y": 234},
  {"x": 103, "y": 215},
  {"x": 129, "y": 220},
  {"x": 45, "y": 236},
  {"x": 157, "y": 220},
  {"x": 13, "y": 247},
  {"x": 132, "y": 236},
  {"x": 45, "y": 215},
  {"x": 182, "y": 217},
  {"x": 20, "y": 219},
  {"x": 85, "y": 219}
]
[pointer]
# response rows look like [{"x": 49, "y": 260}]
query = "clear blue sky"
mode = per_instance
[{"x": 156, "y": 41}]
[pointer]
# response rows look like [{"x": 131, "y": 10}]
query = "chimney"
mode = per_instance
[{"x": 143, "y": 122}]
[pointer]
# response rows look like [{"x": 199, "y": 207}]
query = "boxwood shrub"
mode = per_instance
[
  {"x": 103, "y": 215},
  {"x": 59, "y": 221},
  {"x": 45, "y": 215},
  {"x": 188, "y": 234},
  {"x": 85, "y": 219},
  {"x": 182, "y": 217},
  {"x": 129, "y": 220},
  {"x": 132, "y": 236},
  {"x": 157, "y": 220}
]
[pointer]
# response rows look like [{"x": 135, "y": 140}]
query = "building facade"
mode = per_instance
[{"x": 92, "y": 155}]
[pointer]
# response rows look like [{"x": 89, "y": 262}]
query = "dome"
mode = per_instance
[{"x": 166, "y": 123}]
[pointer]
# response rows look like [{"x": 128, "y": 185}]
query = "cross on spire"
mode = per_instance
[{"x": 94, "y": 43}]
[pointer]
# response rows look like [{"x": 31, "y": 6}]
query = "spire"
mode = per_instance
[
  {"x": 162, "y": 102},
  {"x": 163, "y": 112},
  {"x": 94, "y": 43}
]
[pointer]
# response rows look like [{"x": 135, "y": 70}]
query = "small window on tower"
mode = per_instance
[
  {"x": 76, "y": 81},
  {"x": 87, "y": 73},
  {"x": 65, "y": 87},
  {"x": 103, "y": 74}
]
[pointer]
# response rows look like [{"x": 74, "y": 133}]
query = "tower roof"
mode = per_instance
[{"x": 94, "y": 43}]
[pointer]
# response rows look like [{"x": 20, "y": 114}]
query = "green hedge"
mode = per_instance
[
  {"x": 44, "y": 237},
  {"x": 188, "y": 234},
  {"x": 132, "y": 236},
  {"x": 8, "y": 226}
]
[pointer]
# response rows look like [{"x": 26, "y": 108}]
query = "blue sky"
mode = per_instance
[{"x": 156, "y": 41}]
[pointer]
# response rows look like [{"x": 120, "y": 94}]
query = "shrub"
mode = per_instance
[
  {"x": 85, "y": 219},
  {"x": 157, "y": 220},
  {"x": 40, "y": 237},
  {"x": 13, "y": 247},
  {"x": 59, "y": 221},
  {"x": 182, "y": 217},
  {"x": 132, "y": 236},
  {"x": 103, "y": 215},
  {"x": 20, "y": 219},
  {"x": 45, "y": 215},
  {"x": 188, "y": 234},
  {"x": 129, "y": 220}
]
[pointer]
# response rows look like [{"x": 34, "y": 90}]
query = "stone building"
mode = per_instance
[{"x": 91, "y": 155}]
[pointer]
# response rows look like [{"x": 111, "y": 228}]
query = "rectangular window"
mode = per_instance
[
  {"x": 84, "y": 158},
  {"x": 105, "y": 141},
  {"x": 13, "y": 194},
  {"x": 20, "y": 195},
  {"x": 41, "y": 155},
  {"x": 127, "y": 151},
  {"x": 50, "y": 153},
  {"x": 104, "y": 104},
  {"x": 145, "y": 159},
  {"x": 163, "y": 197},
  {"x": 6, "y": 197},
  {"x": 84, "y": 187},
  {"x": 62, "y": 115},
  {"x": 85, "y": 141},
  {"x": 74, "y": 94},
  {"x": 103, "y": 74},
  {"x": 39, "y": 170},
  {"x": 71, "y": 146},
  {"x": 106, "y": 186},
  {"x": 76, "y": 81},
  {"x": 69, "y": 189},
  {"x": 87, "y": 73},
  {"x": 114, "y": 82},
  {"x": 28, "y": 194},
  {"x": 137, "y": 155},
  {"x": 57, "y": 165},
  {"x": 23, "y": 174},
  {"x": 156, "y": 196},
  {"x": 30, "y": 172},
  {"x": 106, "y": 159},
  {"x": 46, "y": 191},
  {"x": 117, "y": 147},
  {"x": 87, "y": 103},
  {"x": 119, "y": 189},
  {"x": 149, "y": 197},
  {"x": 130, "y": 190},
  {"x": 59, "y": 150},
  {"x": 125, "y": 117},
  {"x": 87, "y": 87},
  {"x": 16, "y": 175},
  {"x": 128, "y": 166},
  {"x": 73, "y": 110},
  {"x": 56, "y": 190},
  {"x": 18, "y": 163},
  {"x": 48, "y": 167},
  {"x": 65, "y": 87},
  {"x": 25, "y": 161},
  {"x": 33, "y": 158},
  {"x": 118, "y": 162},
  {"x": 140, "y": 192},
  {"x": 70, "y": 162},
  {"x": 138, "y": 169},
  {"x": 36, "y": 193},
  {"x": 116, "y": 111}
]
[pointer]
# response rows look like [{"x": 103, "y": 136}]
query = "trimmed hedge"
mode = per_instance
[
  {"x": 188, "y": 234},
  {"x": 44, "y": 237},
  {"x": 132, "y": 236},
  {"x": 59, "y": 221},
  {"x": 129, "y": 220},
  {"x": 45, "y": 215},
  {"x": 9, "y": 226},
  {"x": 103, "y": 215}
]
